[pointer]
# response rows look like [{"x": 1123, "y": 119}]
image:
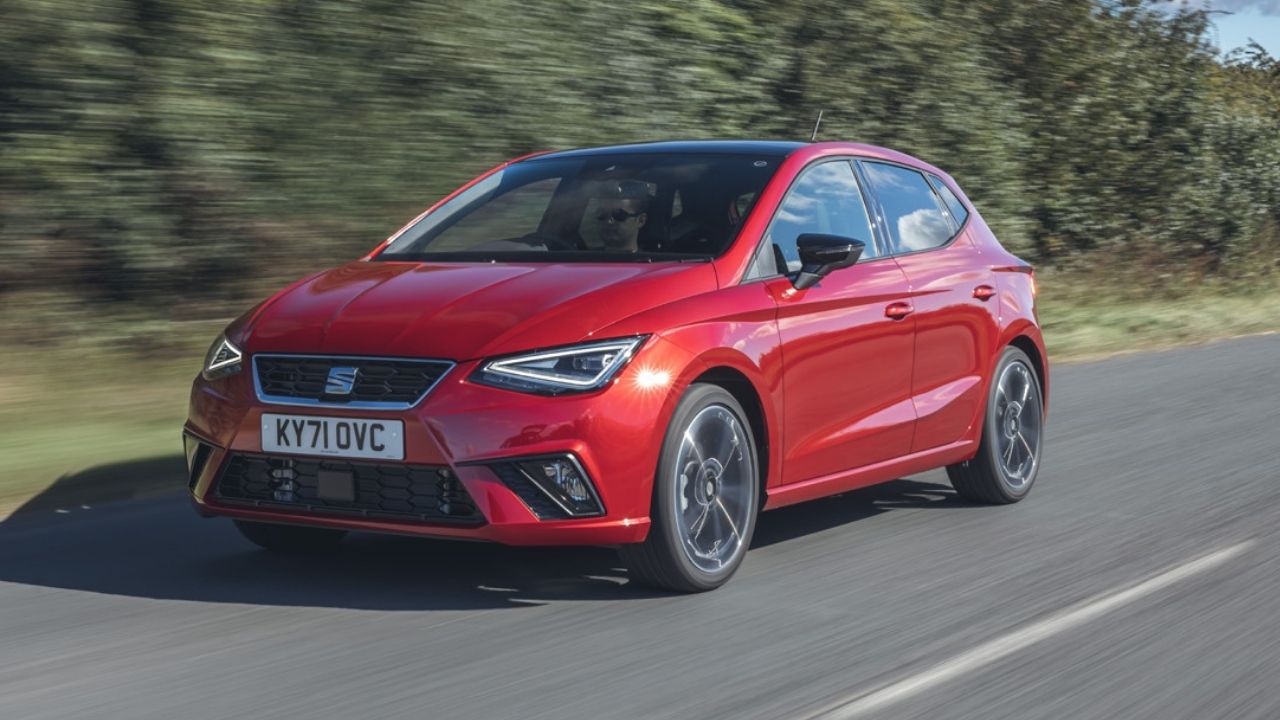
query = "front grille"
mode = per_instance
[
  {"x": 381, "y": 490},
  {"x": 379, "y": 382}
]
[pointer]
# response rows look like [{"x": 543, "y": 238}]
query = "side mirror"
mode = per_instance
[{"x": 820, "y": 254}]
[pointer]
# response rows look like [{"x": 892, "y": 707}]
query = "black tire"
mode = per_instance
[
  {"x": 663, "y": 560},
  {"x": 292, "y": 539},
  {"x": 986, "y": 478}
]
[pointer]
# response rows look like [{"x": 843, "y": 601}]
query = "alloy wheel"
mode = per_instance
[
  {"x": 1019, "y": 419},
  {"x": 714, "y": 488}
]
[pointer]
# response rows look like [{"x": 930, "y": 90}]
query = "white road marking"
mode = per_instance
[{"x": 1005, "y": 645}]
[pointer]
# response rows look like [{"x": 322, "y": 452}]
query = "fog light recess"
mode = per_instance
[
  {"x": 197, "y": 453},
  {"x": 554, "y": 487}
]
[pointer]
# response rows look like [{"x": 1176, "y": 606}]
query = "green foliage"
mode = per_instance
[{"x": 198, "y": 154}]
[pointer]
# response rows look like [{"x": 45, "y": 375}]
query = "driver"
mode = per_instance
[{"x": 621, "y": 210}]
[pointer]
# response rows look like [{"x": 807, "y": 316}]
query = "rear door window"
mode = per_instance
[{"x": 912, "y": 210}]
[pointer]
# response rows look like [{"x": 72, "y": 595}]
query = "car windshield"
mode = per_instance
[{"x": 641, "y": 207}]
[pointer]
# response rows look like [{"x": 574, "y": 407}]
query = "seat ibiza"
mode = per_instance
[{"x": 641, "y": 346}]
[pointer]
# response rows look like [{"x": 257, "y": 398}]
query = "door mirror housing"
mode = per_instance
[{"x": 820, "y": 254}]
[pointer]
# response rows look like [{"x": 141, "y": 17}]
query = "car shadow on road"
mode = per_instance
[
  {"x": 157, "y": 548},
  {"x": 106, "y": 483},
  {"x": 796, "y": 521}
]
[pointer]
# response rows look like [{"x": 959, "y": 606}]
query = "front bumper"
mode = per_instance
[{"x": 615, "y": 434}]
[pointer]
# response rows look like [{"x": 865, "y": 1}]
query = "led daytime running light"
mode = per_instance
[
  {"x": 590, "y": 366},
  {"x": 224, "y": 359}
]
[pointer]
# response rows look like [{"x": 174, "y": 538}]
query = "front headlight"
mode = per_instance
[
  {"x": 223, "y": 359},
  {"x": 577, "y": 368}
]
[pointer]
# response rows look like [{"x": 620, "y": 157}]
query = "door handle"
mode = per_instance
[
  {"x": 898, "y": 310},
  {"x": 984, "y": 292}
]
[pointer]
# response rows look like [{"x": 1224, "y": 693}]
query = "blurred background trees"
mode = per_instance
[{"x": 191, "y": 156}]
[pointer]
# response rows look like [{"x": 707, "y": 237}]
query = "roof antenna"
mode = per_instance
[{"x": 816, "y": 125}]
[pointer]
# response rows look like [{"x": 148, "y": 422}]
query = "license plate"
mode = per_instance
[{"x": 339, "y": 437}]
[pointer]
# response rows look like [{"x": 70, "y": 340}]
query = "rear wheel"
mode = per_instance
[
  {"x": 705, "y": 497},
  {"x": 290, "y": 538},
  {"x": 1008, "y": 458}
]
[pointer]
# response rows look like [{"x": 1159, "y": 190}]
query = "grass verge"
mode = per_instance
[
  {"x": 85, "y": 411},
  {"x": 1078, "y": 328}
]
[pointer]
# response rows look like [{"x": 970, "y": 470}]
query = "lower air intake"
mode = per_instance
[{"x": 393, "y": 491}]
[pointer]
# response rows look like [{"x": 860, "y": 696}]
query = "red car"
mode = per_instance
[{"x": 640, "y": 345}]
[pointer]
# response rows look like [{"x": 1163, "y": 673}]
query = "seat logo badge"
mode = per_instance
[{"x": 341, "y": 380}]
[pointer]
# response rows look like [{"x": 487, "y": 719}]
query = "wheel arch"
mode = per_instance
[
  {"x": 744, "y": 391},
  {"x": 1038, "y": 361},
  {"x": 1024, "y": 336}
]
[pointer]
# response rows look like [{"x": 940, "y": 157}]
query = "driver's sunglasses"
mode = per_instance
[{"x": 615, "y": 216}]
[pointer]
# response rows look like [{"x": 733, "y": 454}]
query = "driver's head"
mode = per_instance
[{"x": 620, "y": 212}]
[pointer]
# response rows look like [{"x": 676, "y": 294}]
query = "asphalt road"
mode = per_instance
[{"x": 902, "y": 596}]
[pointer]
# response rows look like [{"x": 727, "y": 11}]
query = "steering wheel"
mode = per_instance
[{"x": 554, "y": 243}]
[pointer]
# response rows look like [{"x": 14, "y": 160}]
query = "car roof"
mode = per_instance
[
  {"x": 768, "y": 148},
  {"x": 772, "y": 148}
]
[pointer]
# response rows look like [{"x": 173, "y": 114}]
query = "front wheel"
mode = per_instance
[
  {"x": 1008, "y": 458},
  {"x": 705, "y": 497}
]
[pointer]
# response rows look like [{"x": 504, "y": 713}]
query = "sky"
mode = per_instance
[{"x": 1258, "y": 20}]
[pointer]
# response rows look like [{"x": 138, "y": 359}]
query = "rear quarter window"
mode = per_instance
[{"x": 957, "y": 208}]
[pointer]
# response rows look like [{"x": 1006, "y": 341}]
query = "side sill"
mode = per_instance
[{"x": 856, "y": 478}]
